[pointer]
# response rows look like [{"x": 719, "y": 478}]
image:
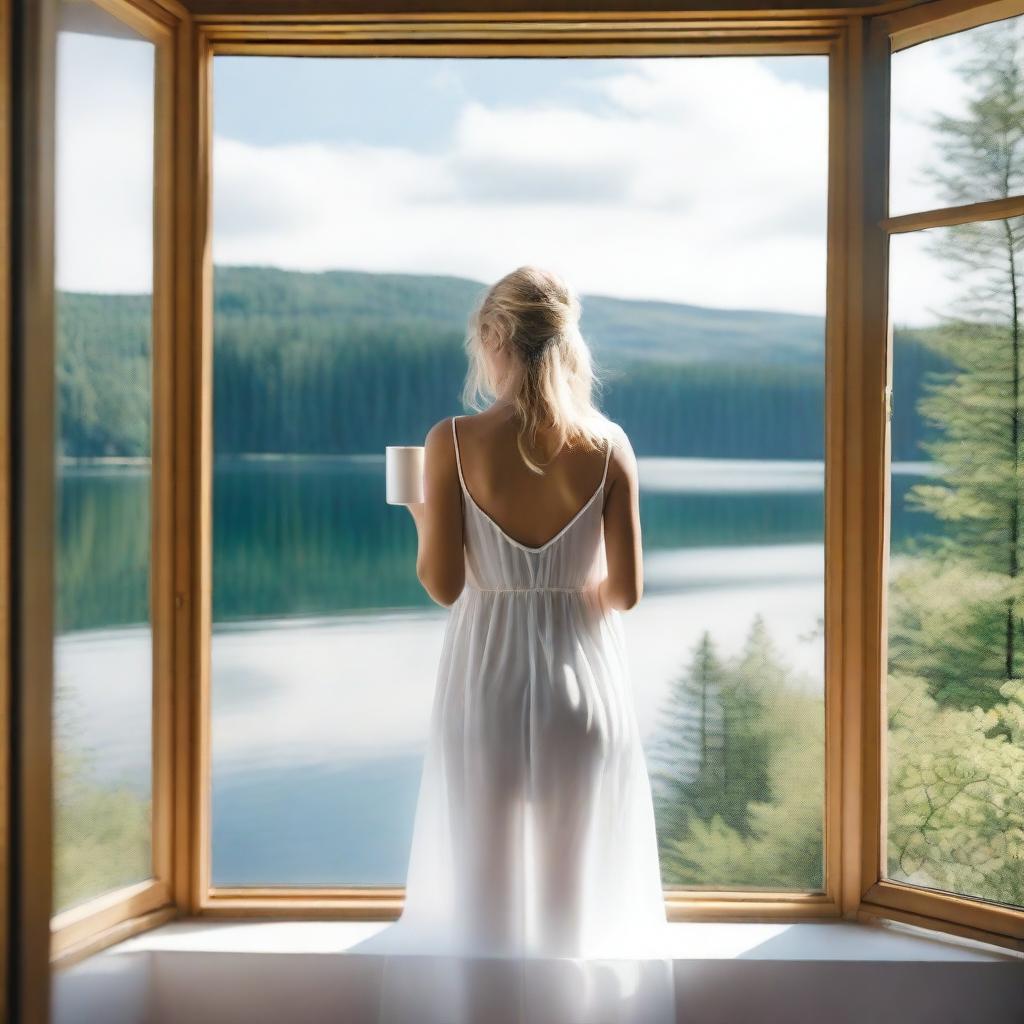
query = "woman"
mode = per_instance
[{"x": 534, "y": 840}]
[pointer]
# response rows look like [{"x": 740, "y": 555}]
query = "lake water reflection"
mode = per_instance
[{"x": 325, "y": 646}]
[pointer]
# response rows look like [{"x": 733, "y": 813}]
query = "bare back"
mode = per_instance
[
  {"x": 475, "y": 459},
  {"x": 529, "y": 508}
]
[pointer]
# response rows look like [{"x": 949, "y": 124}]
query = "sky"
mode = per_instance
[
  {"x": 622, "y": 175},
  {"x": 697, "y": 180}
]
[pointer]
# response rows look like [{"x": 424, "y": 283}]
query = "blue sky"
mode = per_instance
[
  {"x": 697, "y": 180},
  {"x": 644, "y": 178},
  {"x": 271, "y": 101}
]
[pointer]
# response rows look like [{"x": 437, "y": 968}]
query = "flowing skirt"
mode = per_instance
[{"x": 534, "y": 890}]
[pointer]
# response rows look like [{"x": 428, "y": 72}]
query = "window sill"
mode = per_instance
[{"x": 200, "y": 970}]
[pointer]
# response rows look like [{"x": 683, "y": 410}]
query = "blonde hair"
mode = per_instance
[{"x": 535, "y": 315}]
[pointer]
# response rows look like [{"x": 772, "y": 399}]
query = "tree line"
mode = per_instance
[{"x": 303, "y": 381}]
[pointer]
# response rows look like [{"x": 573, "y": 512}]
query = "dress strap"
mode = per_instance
[
  {"x": 607, "y": 459},
  {"x": 458, "y": 457}
]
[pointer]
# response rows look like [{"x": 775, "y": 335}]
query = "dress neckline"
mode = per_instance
[{"x": 532, "y": 549}]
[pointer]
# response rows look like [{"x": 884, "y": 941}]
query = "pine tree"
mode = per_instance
[
  {"x": 685, "y": 762},
  {"x": 955, "y": 747},
  {"x": 741, "y": 767},
  {"x": 750, "y": 732},
  {"x": 977, "y": 406}
]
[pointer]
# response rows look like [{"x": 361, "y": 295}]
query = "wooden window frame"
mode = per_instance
[
  {"x": 547, "y": 35},
  {"x": 882, "y": 897},
  {"x": 28, "y": 525},
  {"x": 857, "y": 40},
  {"x": 82, "y": 929},
  {"x": 8, "y": 780}
]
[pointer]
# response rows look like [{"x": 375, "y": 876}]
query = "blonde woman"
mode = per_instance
[{"x": 534, "y": 886}]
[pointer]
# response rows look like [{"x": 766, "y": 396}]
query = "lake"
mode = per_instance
[{"x": 325, "y": 646}]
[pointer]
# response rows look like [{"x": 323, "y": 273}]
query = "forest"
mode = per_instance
[{"x": 347, "y": 363}]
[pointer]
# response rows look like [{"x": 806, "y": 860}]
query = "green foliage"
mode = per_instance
[
  {"x": 102, "y": 830},
  {"x": 956, "y": 720},
  {"x": 738, "y": 772},
  {"x": 956, "y": 792},
  {"x": 685, "y": 758},
  {"x": 983, "y": 150},
  {"x": 720, "y": 408},
  {"x": 103, "y": 374},
  {"x": 103, "y": 841},
  {"x": 964, "y": 634},
  {"x": 346, "y": 363},
  {"x": 947, "y": 625}
]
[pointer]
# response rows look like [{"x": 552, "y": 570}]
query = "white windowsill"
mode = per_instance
[
  {"x": 800, "y": 941},
  {"x": 262, "y": 971}
]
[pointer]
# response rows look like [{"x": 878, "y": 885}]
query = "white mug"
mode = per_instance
[{"x": 404, "y": 474}]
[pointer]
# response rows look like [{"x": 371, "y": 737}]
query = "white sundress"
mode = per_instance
[{"x": 534, "y": 888}]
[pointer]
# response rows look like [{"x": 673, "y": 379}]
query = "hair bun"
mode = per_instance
[{"x": 536, "y": 314}]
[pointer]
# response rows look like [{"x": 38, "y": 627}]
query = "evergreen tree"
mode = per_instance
[
  {"x": 738, "y": 772},
  {"x": 686, "y": 761},
  {"x": 956, "y": 717},
  {"x": 976, "y": 406},
  {"x": 750, "y": 729}
]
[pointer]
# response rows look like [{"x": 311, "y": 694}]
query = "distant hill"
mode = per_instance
[
  {"x": 348, "y": 362},
  {"x": 618, "y": 330}
]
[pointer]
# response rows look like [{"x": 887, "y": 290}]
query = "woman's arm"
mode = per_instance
[
  {"x": 623, "y": 587},
  {"x": 440, "y": 561}
]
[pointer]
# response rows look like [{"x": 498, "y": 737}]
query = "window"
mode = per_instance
[
  {"x": 111, "y": 837},
  {"x": 826, "y": 664},
  {"x": 350, "y": 242},
  {"x": 956, "y": 125},
  {"x": 954, "y": 696}
]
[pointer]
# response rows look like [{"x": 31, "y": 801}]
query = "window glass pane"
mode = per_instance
[
  {"x": 958, "y": 119},
  {"x": 361, "y": 206},
  {"x": 955, "y": 696},
  {"x": 104, "y": 261}
]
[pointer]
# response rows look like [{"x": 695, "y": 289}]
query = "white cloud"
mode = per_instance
[
  {"x": 922, "y": 72},
  {"x": 697, "y": 180},
  {"x": 104, "y": 164},
  {"x": 925, "y": 82},
  {"x": 673, "y": 189}
]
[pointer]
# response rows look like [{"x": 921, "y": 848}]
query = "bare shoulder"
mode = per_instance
[
  {"x": 622, "y": 461},
  {"x": 439, "y": 447},
  {"x": 440, "y": 434}
]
